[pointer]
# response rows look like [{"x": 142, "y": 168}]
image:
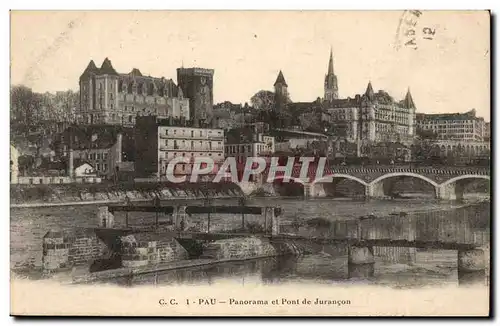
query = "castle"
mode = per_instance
[{"x": 109, "y": 97}]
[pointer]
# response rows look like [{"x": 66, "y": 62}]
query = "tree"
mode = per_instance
[
  {"x": 25, "y": 108},
  {"x": 264, "y": 100}
]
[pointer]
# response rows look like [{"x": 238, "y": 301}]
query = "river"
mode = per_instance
[{"x": 29, "y": 225}]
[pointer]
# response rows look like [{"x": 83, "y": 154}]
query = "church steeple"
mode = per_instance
[
  {"x": 280, "y": 93},
  {"x": 330, "y": 63},
  {"x": 331, "y": 86},
  {"x": 280, "y": 80}
]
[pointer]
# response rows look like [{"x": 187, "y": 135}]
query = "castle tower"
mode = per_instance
[
  {"x": 331, "y": 86},
  {"x": 87, "y": 92},
  {"x": 280, "y": 93},
  {"x": 197, "y": 85}
]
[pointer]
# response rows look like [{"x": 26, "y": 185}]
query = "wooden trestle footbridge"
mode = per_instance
[{"x": 360, "y": 236}]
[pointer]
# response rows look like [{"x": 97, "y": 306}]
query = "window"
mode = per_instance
[
  {"x": 98, "y": 156},
  {"x": 105, "y": 156},
  {"x": 98, "y": 167},
  {"x": 192, "y": 133},
  {"x": 40, "y": 180},
  {"x": 31, "y": 181},
  {"x": 104, "y": 167},
  {"x": 61, "y": 180}
]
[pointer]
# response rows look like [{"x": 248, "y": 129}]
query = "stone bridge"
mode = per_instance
[{"x": 448, "y": 182}]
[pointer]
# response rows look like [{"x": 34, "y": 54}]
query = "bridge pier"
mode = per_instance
[
  {"x": 471, "y": 267},
  {"x": 360, "y": 262},
  {"x": 308, "y": 190},
  {"x": 105, "y": 219},
  {"x": 450, "y": 191},
  {"x": 375, "y": 190},
  {"x": 180, "y": 219}
]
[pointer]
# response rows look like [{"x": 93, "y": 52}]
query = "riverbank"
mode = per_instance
[{"x": 105, "y": 193}]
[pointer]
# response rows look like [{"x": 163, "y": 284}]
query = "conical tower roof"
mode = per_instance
[
  {"x": 408, "y": 101},
  {"x": 280, "y": 79},
  {"x": 107, "y": 68},
  {"x": 91, "y": 69},
  {"x": 369, "y": 91}
]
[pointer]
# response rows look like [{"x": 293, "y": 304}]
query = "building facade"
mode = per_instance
[
  {"x": 198, "y": 85},
  {"x": 463, "y": 127},
  {"x": 374, "y": 117},
  {"x": 108, "y": 97},
  {"x": 158, "y": 141},
  {"x": 259, "y": 146}
]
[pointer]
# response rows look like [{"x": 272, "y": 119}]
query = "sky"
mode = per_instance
[{"x": 449, "y": 73}]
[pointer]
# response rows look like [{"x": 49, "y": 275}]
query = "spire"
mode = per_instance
[
  {"x": 408, "y": 101},
  {"x": 369, "y": 91},
  {"x": 330, "y": 63},
  {"x": 280, "y": 79}
]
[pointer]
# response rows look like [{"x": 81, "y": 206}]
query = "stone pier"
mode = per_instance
[
  {"x": 375, "y": 190},
  {"x": 471, "y": 267},
  {"x": 180, "y": 218},
  {"x": 105, "y": 219},
  {"x": 360, "y": 262},
  {"x": 451, "y": 191}
]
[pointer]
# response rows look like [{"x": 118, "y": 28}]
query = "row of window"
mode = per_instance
[
  {"x": 447, "y": 122},
  {"x": 175, "y": 154},
  {"x": 96, "y": 156},
  {"x": 192, "y": 133}
]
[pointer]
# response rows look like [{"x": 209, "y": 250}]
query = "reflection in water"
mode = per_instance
[
  {"x": 432, "y": 267},
  {"x": 325, "y": 264}
]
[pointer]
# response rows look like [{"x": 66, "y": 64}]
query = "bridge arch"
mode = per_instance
[
  {"x": 286, "y": 178},
  {"x": 404, "y": 174},
  {"x": 340, "y": 176},
  {"x": 465, "y": 176}
]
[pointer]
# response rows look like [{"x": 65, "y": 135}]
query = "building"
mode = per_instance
[
  {"x": 374, "y": 117},
  {"x": 104, "y": 147},
  {"x": 158, "y": 141},
  {"x": 109, "y": 97},
  {"x": 84, "y": 169},
  {"x": 464, "y": 127},
  {"x": 248, "y": 141},
  {"x": 487, "y": 131},
  {"x": 365, "y": 119},
  {"x": 198, "y": 85}
]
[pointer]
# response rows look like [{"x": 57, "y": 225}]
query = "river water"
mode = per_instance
[{"x": 327, "y": 264}]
